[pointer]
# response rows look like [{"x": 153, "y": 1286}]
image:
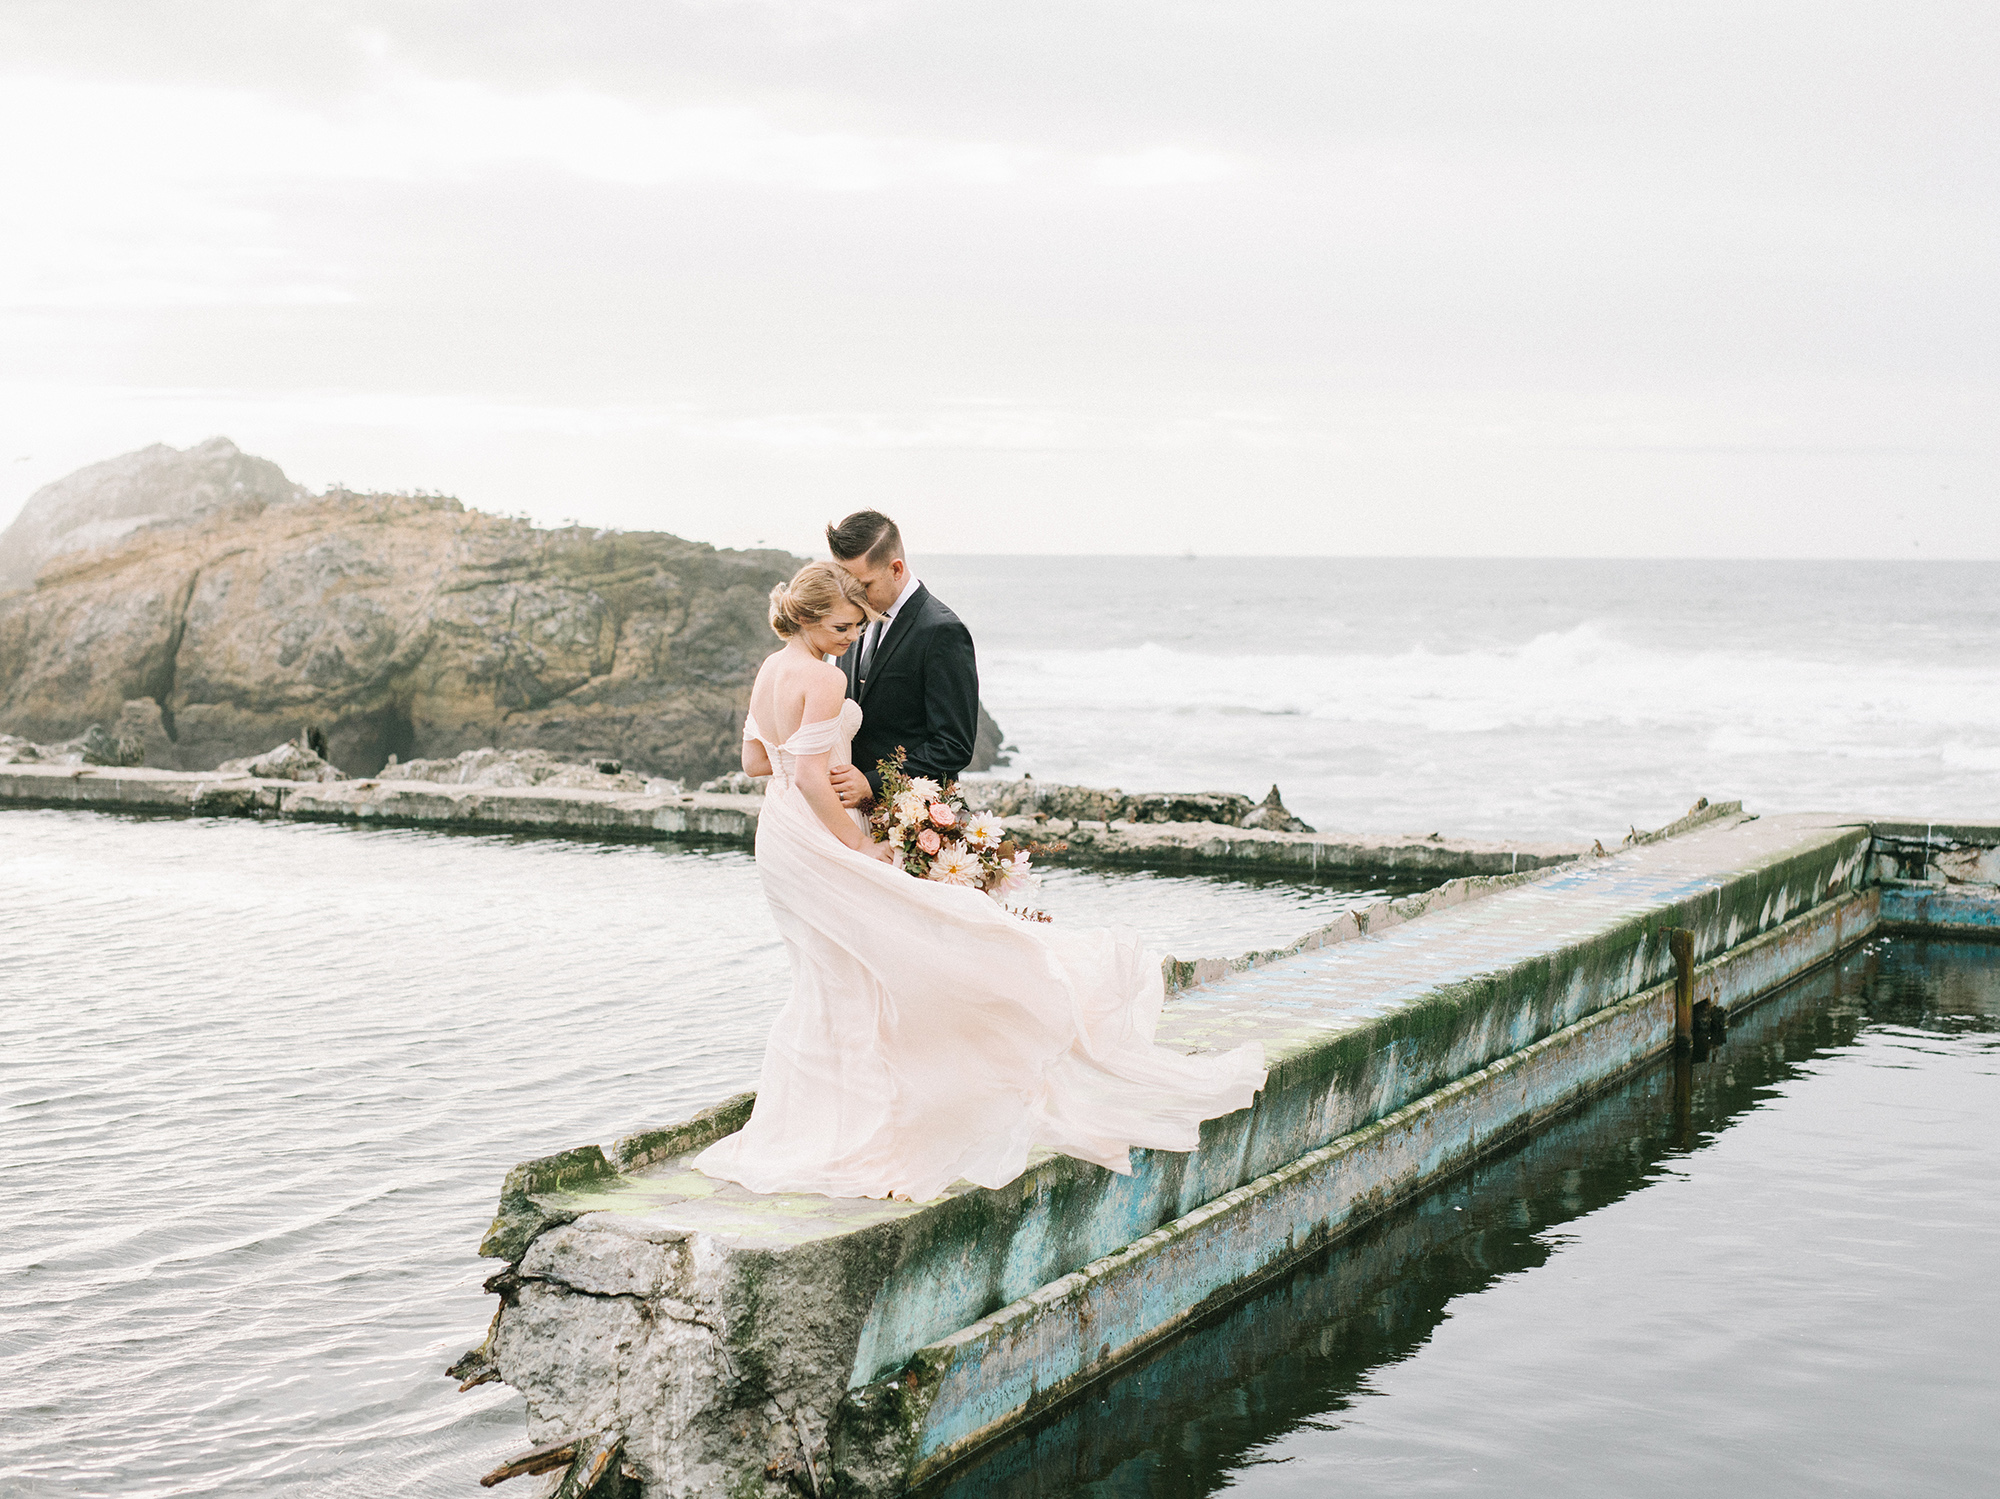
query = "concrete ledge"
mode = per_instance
[
  {"x": 1958, "y": 852},
  {"x": 530, "y": 809},
  {"x": 104, "y": 789},
  {"x": 1181, "y": 844},
  {"x": 1369, "y": 920},
  {"x": 726, "y": 818},
  {"x": 492, "y": 809}
]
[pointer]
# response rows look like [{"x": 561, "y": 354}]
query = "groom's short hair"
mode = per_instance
[{"x": 868, "y": 534}]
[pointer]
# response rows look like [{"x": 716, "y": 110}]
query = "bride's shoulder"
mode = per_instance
[{"x": 822, "y": 679}]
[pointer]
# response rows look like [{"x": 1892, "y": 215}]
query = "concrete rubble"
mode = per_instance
[
  {"x": 496, "y": 767},
  {"x": 287, "y": 762}
]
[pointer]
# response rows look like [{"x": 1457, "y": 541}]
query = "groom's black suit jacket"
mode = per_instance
[{"x": 921, "y": 692}]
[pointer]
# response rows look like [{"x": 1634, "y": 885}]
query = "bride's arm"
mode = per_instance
[
  {"x": 756, "y": 759},
  {"x": 814, "y": 774}
]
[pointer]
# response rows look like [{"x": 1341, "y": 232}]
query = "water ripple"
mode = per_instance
[{"x": 260, "y": 1085}]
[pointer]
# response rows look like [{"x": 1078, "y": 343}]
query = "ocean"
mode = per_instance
[
  {"x": 262, "y": 1081},
  {"x": 1509, "y": 698}
]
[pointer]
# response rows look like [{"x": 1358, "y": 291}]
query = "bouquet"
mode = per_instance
[{"x": 932, "y": 836}]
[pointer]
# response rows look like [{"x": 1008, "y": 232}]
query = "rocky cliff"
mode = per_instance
[
  {"x": 399, "y": 625},
  {"x": 158, "y": 486}
]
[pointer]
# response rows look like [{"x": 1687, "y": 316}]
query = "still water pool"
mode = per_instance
[
  {"x": 259, "y": 1084},
  {"x": 1769, "y": 1273}
]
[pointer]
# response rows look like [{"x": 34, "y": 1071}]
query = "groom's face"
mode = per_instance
[{"x": 881, "y": 581}]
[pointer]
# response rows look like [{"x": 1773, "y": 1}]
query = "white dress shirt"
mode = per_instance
[{"x": 872, "y": 636}]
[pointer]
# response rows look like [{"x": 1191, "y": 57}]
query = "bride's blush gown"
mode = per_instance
[{"x": 932, "y": 1037}]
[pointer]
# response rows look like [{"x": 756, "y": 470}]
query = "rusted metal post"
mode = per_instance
[{"x": 1681, "y": 942}]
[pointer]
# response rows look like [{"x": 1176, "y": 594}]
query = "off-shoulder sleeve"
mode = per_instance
[
  {"x": 814, "y": 738},
  {"x": 750, "y": 729}
]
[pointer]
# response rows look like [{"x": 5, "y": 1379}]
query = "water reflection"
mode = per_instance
[{"x": 1265, "y": 1398}]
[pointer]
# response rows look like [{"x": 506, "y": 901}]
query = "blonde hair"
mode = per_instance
[{"x": 816, "y": 590}]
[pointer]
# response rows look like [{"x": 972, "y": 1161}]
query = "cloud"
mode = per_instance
[
  {"x": 123, "y": 194},
  {"x": 979, "y": 425}
]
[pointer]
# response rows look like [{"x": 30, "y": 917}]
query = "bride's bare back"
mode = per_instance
[
  {"x": 798, "y": 688},
  {"x": 788, "y": 683}
]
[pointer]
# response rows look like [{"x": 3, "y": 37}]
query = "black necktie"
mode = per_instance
[{"x": 868, "y": 644}]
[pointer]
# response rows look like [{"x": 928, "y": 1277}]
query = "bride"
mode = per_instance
[{"x": 931, "y": 1036}]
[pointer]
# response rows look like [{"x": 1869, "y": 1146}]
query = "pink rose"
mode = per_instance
[
  {"x": 929, "y": 841},
  {"x": 942, "y": 815}
]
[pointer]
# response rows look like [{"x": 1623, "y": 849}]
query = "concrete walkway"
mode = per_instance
[
  {"x": 718, "y": 817},
  {"x": 895, "y": 1337},
  {"x": 1293, "y": 1005}
]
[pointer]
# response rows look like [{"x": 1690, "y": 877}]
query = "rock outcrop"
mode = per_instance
[
  {"x": 398, "y": 625},
  {"x": 125, "y": 745},
  {"x": 1028, "y": 798},
  {"x": 211, "y": 608},
  {"x": 290, "y": 761},
  {"x": 157, "y": 486},
  {"x": 492, "y": 767},
  {"x": 1271, "y": 815}
]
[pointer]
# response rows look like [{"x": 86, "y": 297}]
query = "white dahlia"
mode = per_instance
[
  {"x": 910, "y": 807},
  {"x": 926, "y": 788},
  {"x": 983, "y": 830},
  {"x": 955, "y": 865}
]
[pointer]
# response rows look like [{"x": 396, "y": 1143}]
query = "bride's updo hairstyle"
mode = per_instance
[{"x": 816, "y": 590}]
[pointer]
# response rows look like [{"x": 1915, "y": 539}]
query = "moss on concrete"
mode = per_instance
[{"x": 636, "y": 1152}]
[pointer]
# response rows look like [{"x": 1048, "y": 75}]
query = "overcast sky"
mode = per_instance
[{"x": 1551, "y": 279}]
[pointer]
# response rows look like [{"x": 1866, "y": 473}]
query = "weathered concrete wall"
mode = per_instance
[
  {"x": 1949, "y": 853},
  {"x": 1941, "y": 877},
  {"x": 1189, "y": 844},
  {"x": 1942, "y": 910},
  {"x": 1373, "y": 918},
  {"x": 579, "y": 813},
  {"x": 572, "y": 812},
  {"x": 877, "y": 1340},
  {"x": 970, "y": 1386}
]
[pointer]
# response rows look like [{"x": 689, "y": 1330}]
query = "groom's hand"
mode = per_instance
[{"x": 850, "y": 785}]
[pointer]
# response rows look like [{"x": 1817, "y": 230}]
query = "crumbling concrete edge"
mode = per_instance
[
  {"x": 1181, "y": 845},
  {"x": 571, "y": 812},
  {"x": 960, "y": 1393},
  {"x": 548, "y": 1191},
  {"x": 1700, "y": 815},
  {"x": 1379, "y": 916},
  {"x": 1363, "y": 921},
  {"x": 533, "y": 1198},
  {"x": 635, "y": 1152}
]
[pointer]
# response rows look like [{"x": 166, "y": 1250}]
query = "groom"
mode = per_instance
[{"x": 913, "y": 672}]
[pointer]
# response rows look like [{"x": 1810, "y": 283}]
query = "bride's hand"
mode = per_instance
[{"x": 881, "y": 851}]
